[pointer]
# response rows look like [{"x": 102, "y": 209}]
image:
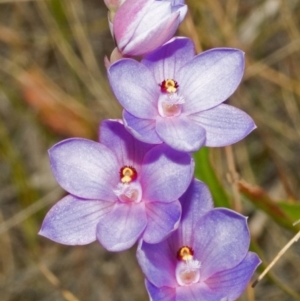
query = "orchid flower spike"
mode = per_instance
[
  {"x": 205, "y": 259},
  {"x": 120, "y": 190},
  {"x": 175, "y": 97}
]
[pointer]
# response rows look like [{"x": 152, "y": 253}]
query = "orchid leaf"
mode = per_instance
[
  {"x": 205, "y": 172},
  {"x": 281, "y": 214},
  {"x": 292, "y": 210}
]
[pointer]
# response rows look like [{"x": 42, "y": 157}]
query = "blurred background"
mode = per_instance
[{"x": 53, "y": 86}]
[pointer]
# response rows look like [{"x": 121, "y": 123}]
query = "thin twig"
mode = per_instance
[
  {"x": 250, "y": 293},
  {"x": 282, "y": 251},
  {"x": 296, "y": 223}
]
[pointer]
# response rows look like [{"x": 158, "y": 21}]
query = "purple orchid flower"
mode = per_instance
[
  {"x": 175, "y": 97},
  {"x": 121, "y": 190},
  {"x": 206, "y": 258},
  {"x": 141, "y": 26}
]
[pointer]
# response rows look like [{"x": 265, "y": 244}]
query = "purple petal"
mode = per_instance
[
  {"x": 160, "y": 293},
  {"x": 134, "y": 87},
  {"x": 122, "y": 227},
  {"x": 196, "y": 292},
  {"x": 85, "y": 168},
  {"x": 166, "y": 61},
  {"x": 177, "y": 2},
  {"x": 127, "y": 149},
  {"x": 166, "y": 174},
  {"x": 221, "y": 241},
  {"x": 127, "y": 18},
  {"x": 73, "y": 221},
  {"x": 142, "y": 129},
  {"x": 180, "y": 133},
  {"x": 210, "y": 78},
  {"x": 196, "y": 202},
  {"x": 231, "y": 283},
  {"x": 163, "y": 218},
  {"x": 156, "y": 28},
  {"x": 158, "y": 263},
  {"x": 224, "y": 125}
]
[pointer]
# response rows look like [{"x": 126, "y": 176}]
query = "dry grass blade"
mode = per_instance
[
  {"x": 6, "y": 254},
  {"x": 273, "y": 76},
  {"x": 9, "y": 36},
  {"x": 56, "y": 109},
  {"x": 48, "y": 199},
  {"x": 276, "y": 56},
  {"x": 250, "y": 28},
  {"x": 233, "y": 178},
  {"x": 225, "y": 26},
  {"x": 188, "y": 28},
  {"x": 87, "y": 78},
  {"x": 75, "y": 13},
  {"x": 17, "y": 1},
  {"x": 68, "y": 296}
]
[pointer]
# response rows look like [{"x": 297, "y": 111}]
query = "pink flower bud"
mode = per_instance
[
  {"x": 141, "y": 26},
  {"x": 113, "y": 4}
]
